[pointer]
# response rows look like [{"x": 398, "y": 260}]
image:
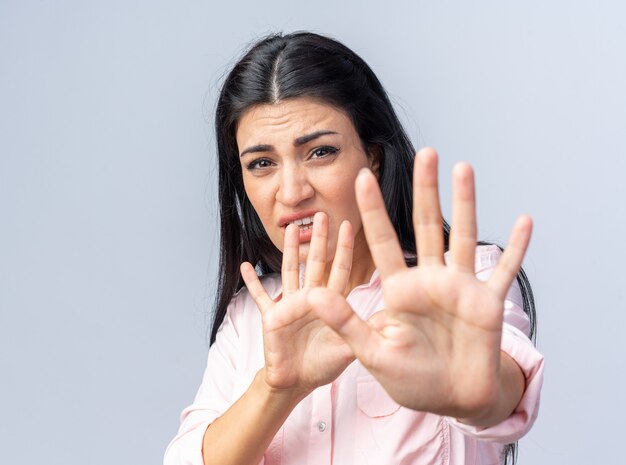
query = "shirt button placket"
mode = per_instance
[{"x": 320, "y": 436}]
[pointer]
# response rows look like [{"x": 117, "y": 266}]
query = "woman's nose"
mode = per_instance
[{"x": 294, "y": 187}]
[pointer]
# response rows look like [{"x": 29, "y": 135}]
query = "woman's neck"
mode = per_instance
[{"x": 361, "y": 272}]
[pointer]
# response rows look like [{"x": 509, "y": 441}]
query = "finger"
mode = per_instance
[
  {"x": 427, "y": 219},
  {"x": 316, "y": 258},
  {"x": 333, "y": 309},
  {"x": 379, "y": 232},
  {"x": 255, "y": 288},
  {"x": 290, "y": 270},
  {"x": 463, "y": 233},
  {"x": 512, "y": 257},
  {"x": 342, "y": 263}
]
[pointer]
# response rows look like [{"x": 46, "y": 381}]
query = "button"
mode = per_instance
[{"x": 321, "y": 426}]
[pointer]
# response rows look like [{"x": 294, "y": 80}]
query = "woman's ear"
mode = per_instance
[{"x": 374, "y": 154}]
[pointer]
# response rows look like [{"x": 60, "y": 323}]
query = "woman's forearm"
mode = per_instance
[{"x": 243, "y": 433}]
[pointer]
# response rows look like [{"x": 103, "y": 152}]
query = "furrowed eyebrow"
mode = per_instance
[
  {"x": 298, "y": 142},
  {"x": 309, "y": 137},
  {"x": 257, "y": 148}
]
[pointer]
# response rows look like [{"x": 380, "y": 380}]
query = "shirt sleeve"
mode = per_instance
[
  {"x": 517, "y": 345},
  {"x": 213, "y": 397}
]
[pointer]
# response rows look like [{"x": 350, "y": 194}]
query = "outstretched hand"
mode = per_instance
[
  {"x": 301, "y": 352},
  {"x": 436, "y": 346}
]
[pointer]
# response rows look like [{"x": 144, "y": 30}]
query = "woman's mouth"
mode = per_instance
[{"x": 304, "y": 223}]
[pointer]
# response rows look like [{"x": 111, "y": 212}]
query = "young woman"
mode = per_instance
[{"x": 352, "y": 324}]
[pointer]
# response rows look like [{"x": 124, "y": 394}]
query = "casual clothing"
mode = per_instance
[{"x": 353, "y": 420}]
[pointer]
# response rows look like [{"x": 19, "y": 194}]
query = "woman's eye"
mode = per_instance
[
  {"x": 321, "y": 152},
  {"x": 261, "y": 163}
]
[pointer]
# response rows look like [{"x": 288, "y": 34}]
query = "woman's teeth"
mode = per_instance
[{"x": 304, "y": 223}]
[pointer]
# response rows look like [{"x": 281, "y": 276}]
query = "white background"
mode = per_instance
[{"x": 108, "y": 233}]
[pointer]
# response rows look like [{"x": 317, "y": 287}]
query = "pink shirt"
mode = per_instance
[{"x": 353, "y": 420}]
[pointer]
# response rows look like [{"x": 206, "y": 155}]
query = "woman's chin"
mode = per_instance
[{"x": 303, "y": 253}]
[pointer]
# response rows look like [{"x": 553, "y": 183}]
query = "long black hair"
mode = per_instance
[{"x": 302, "y": 64}]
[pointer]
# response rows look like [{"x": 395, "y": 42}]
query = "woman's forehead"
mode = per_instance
[{"x": 292, "y": 119}]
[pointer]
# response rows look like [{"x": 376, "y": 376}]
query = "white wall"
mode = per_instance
[{"x": 108, "y": 240}]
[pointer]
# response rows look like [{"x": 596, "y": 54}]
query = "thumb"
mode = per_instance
[
  {"x": 333, "y": 309},
  {"x": 377, "y": 320}
]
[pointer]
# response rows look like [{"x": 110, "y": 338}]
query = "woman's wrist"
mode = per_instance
[
  {"x": 284, "y": 396},
  {"x": 511, "y": 385}
]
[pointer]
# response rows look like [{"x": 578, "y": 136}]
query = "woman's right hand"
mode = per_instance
[{"x": 301, "y": 351}]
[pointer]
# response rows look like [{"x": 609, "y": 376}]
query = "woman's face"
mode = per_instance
[{"x": 299, "y": 157}]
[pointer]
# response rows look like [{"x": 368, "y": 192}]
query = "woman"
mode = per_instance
[{"x": 344, "y": 351}]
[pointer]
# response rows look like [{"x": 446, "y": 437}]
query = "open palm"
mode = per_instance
[
  {"x": 436, "y": 346},
  {"x": 301, "y": 351}
]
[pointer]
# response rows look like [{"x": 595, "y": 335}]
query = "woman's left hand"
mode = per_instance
[{"x": 436, "y": 346}]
